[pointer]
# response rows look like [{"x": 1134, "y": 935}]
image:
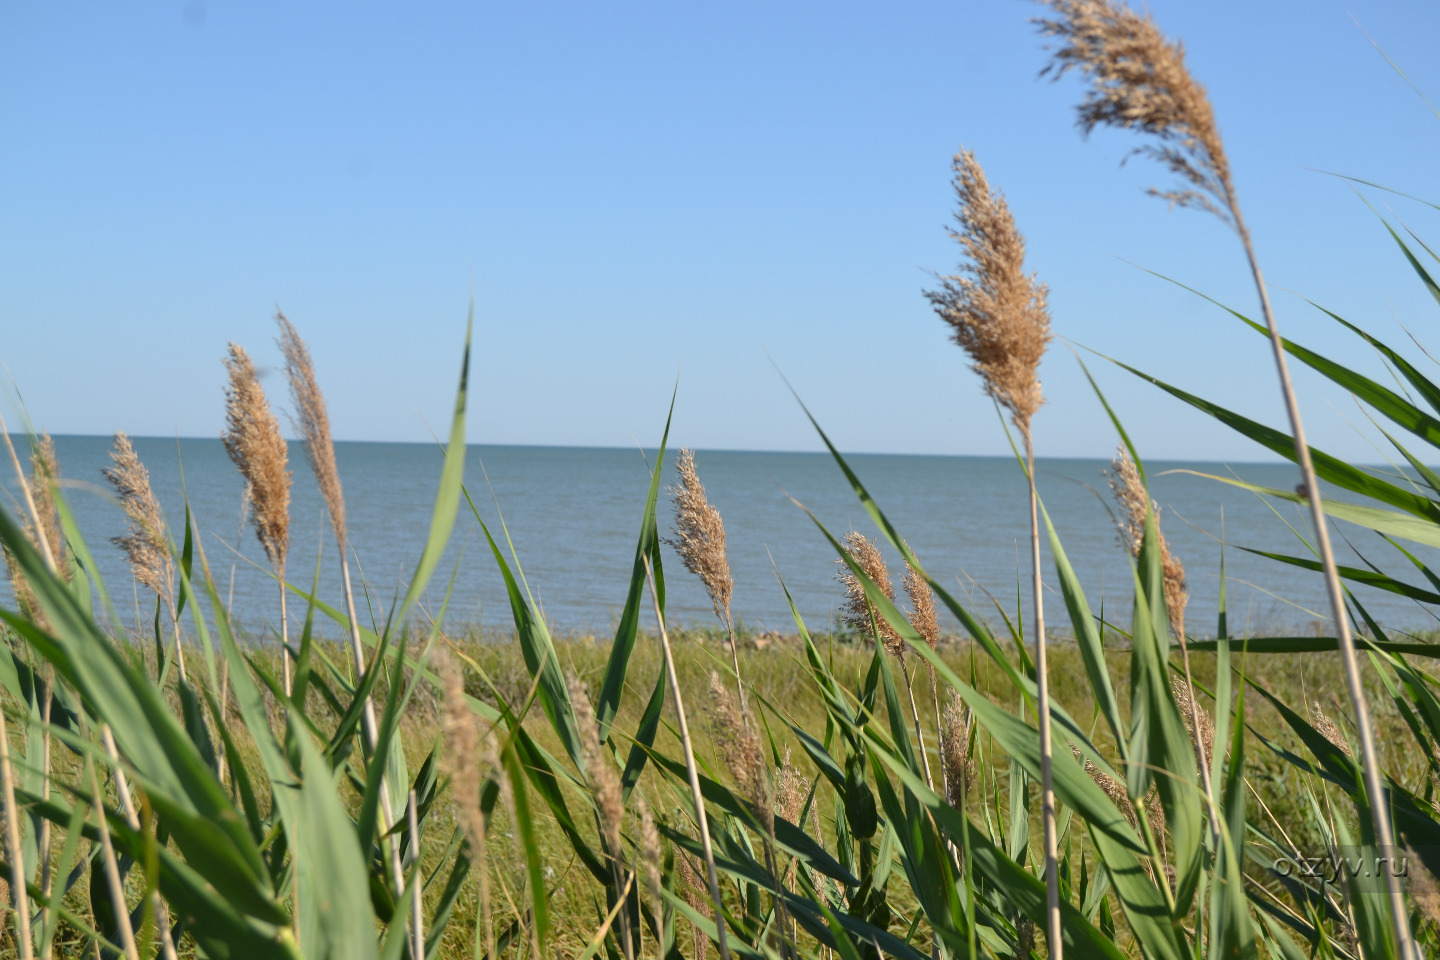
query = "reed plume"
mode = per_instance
[
  {"x": 1197, "y": 722},
  {"x": 1000, "y": 316},
  {"x": 1423, "y": 887},
  {"x": 923, "y": 619},
  {"x": 313, "y": 421},
  {"x": 649, "y": 852},
  {"x": 739, "y": 749},
  {"x": 41, "y": 527},
  {"x": 700, "y": 541},
  {"x": 693, "y": 891},
  {"x": 1137, "y": 80},
  {"x": 253, "y": 441},
  {"x": 1134, "y": 501},
  {"x": 605, "y": 791},
  {"x": 1328, "y": 728},
  {"x": 955, "y": 731},
  {"x": 146, "y": 543},
  {"x": 857, "y": 612}
]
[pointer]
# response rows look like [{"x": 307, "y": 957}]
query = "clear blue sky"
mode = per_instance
[{"x": 633, "y": 186}]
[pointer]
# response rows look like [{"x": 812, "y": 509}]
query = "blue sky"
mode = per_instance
[{"x": 642, "y": 189}]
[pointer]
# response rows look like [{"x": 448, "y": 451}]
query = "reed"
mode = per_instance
[
  {"x": 608, "y": 800},
  {"x": 146, "y": 544},
  {"x": 1137, "y": 80},
  {"x": 253, "y": 441},
  {"x": 999, "y": 316}
]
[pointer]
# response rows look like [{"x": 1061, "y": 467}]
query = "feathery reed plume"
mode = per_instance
[
  {"x": 700, "y": 541},
  {"x": 1423, "y": 887},
  {"x": 650, "y": 854},
  {"x": 463, "y": 756},
  {"x": 693, "y": 891},
  {"x": 605, "y": 789},
  {"x": 857, "y": 611},
  {"x": 1138, "y": 80},
  {"x": 739, "y": 749},
  {"x": 955, "y": 732},
  {"x": 791, "y": 789},
  {"x": 314, "y": 422},
  {"x": 1113, "y": 788},
  {"x": 1197, "y": 722},
  {"x": 1328, "y": 728},
  {"x": 1001, "y": 318},
  {"x": 922, "y": 617},
  {"x": 44, "y": 479},
  {"x": 1134, "y": 500},
  {"x": 252, "y": 438},
  {"x": 692, "y": 771},
  {"x": 145, "y": 544}
]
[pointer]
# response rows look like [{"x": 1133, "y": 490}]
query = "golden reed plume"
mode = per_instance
[
  {"x": 145, "y": 543},
  {"x": 1138, "y": 81},
  {"x": 252, "y": 438},
  {"x": 700, "y": 535},
  {"x": 996, "y": 312},
  {"x": 999, "y": 315},
  {"x": 314, "y": 423},
  {"x": 1134, "y": 500},
  {"x": 857, "y": 610}
]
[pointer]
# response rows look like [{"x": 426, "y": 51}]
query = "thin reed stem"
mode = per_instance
[
  {"x": 417, "y": 889},
  {"x": 1042, "y": 686},
  {"x": 132, "y": 819},
  {"x": 112, "y": 870},
  {"x": 284, "y": 640},
  {"x": 1360, "y": 708},
  {"x": 696, "y": 797},
  {"x": 18, "y": 892}
]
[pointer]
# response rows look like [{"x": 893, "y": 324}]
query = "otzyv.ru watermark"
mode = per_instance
[{"x": 1334, "y": 867}]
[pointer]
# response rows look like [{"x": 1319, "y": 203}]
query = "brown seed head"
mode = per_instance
[
  {"x": 695, "y": 892},
  {"x": 145, "y": 543},
  {"x": 1113, "y": 788},
  {"x": 956, "y": 727},
  {"x": 462, "y": 757},
  {"x": 1025, "y": 938},
  {"x": 1138, "y": 81},
  {"x": 1204, "y": 742},
  {"x": 791, "y": 789},
  {"x": 700, "y": 535},
  {"x": 650, "y": 854},
  {"x": 252, "y": 438},
  {"x": 44, "y": 479},
  {"x": 314, "y": 423},
  {"x": 1423, "y": 886},
  {"x": 1328, "y": 728},
  {"x": 922, "y": 606},
  {"x": 599, "y": 771},
  {"x": 1133, "y": 500},
  {"x": 996, "y": 312},
  {"x": 857, "y": 609},
  {"x": 739, "y": 748}
]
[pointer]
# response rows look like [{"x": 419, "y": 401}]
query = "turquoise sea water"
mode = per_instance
[{"x": 573, "y": 515}]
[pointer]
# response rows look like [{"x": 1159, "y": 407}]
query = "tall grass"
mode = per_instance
[{"x": 412, "y": 793}]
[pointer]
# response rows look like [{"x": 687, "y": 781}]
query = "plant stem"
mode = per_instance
[
  {"x": 417, "y": 888},
  {"x": 1042, "y": 686},
  {"x": 1379, "y": 810},
  {"x": 112, "y": 872},
  {"x": 127, "y": 806},
  {"x": 721, "y": 940},
  {"x": 284, "y": 637},
  {"x": 13, "y": 848}
]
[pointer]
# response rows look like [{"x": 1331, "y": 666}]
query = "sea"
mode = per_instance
[{"x": 567, "y": 519}]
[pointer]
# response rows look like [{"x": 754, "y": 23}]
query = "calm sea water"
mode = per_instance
[{"x": 574, "y": 515}]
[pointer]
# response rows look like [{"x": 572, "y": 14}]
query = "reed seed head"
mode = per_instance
[
  {"x": 1137, "y": 80},
  {"x": 599, "y": 771},
  {"x": 1025, "y": 938},
  {"x": 1328, "y": 728},
  {"x": 996, "y": 312},
  {"x": 463, "y": 756},
  {"x": 956, "y": 726},
  {"x": 739, "y": 748},
  {"x": 314, "y": 422},
  {"x": 1133, "y": 499},
  {"x": 145, "y": 543},
  {"x": 252, "y": 438},
  {"x": 1423, "y": 887},
  {"x": 922, "y": 606},
  {"x": 1113, "y": 788},
  {"x": 857, "y": 609},
  {"x": 44, "y": 479},
  {"x": 650, "y": 854},
  {"x": 695, "y": 892},
  {"x": 1204, "y": 741},
  {"x": 700, "y": 535},
  {"x": 791, "y": 789}
]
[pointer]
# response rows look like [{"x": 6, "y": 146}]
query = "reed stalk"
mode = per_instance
[
  {"x": 13, "y": 847},
  {"x": 1138, "y": 80},
  {"x": 998, "y": 314},
  {"x": 691, "y": 771},
  {"x": 417, "y": 888},
  {"x": 132, "y": 820},
  {"x": 112, "y": 868},
  {"x": 314, "y": 421}
]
